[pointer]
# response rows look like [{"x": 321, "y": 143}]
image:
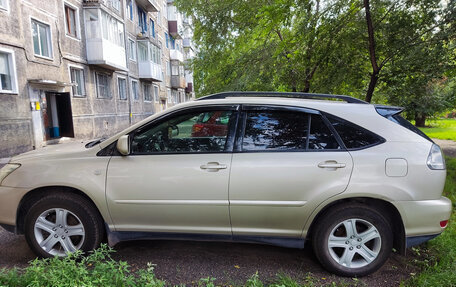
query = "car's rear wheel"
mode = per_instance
[
  {"x": 61, "y": 223},
  {"x": 352, "y": 240}
]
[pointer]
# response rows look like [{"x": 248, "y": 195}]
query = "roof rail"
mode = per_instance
[{"x": 224, "y": 95}]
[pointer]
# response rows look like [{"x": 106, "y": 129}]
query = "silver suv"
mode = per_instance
[{"x": 351, "y": 178}]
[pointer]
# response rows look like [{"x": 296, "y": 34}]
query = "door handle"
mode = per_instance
[
  {"x": 331, "y": 164},
  {"x": 213, "y": 166}
]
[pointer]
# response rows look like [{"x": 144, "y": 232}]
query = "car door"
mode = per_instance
[
  {"x": 286, "y": 161},
  {"x": 175, "y": 178}
]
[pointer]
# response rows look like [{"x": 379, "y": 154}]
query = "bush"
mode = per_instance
[{"x": 96, "y": 269}]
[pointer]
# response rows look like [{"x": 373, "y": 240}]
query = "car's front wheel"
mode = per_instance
[
  {"x": 61, "y": 223},
  {"x": 352, "y": 240}
]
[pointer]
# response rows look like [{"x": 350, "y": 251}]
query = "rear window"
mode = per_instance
[
  {"x": 393, "y": 114},
  {"x": 353, "y": 136}
]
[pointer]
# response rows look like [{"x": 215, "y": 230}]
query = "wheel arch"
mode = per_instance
[
  {"x": 386, "y": 208},
  {"x": 30, "y": 197}
]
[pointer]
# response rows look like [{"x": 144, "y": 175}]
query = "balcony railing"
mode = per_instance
[
  {"x": 178, "y": 82},
  {"x": 150, "y": 70},
  {"x": 176, "y": 55}
]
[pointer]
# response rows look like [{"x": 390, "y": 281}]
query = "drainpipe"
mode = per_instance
[{"x": 127, "y": 59}]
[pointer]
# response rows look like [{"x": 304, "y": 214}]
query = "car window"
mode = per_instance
[
  {"x": 192, "y": 132},
  {"x": 320, "y": 136},
  {"x": 353, "y": 136},
  {"x": 275, "y": 130}
]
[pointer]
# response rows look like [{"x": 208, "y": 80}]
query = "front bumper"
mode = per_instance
[
  {"x": 423, "y": 217},
  {"x": 10, "y": 197}
]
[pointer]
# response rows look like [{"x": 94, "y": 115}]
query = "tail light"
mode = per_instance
[
  {"x": 444, "y": 223},
  {"x": 435, "y": 158}
]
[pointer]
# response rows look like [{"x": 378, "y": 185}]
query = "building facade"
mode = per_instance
[{"x": 87, "y": 68}]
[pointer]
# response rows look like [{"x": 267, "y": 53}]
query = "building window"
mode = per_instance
[
  {"x": 152, "y": 28},
  {"x": 71, "y": 21},
  {"x": 122, "y": 85},
  {"x": 103, "y": 91},
  {"x": 130, "y": 9},
  {"x": 168, "y": 68},
  {"x": 77, "y": 79},
  {"x": 7, "y": 72},
  {"x": 175, "y": 69},
  {"x": 175, "y": 97},
  {"x": 168, "y": 93},
  {"x": 173, "y": 43},
  {"x": 142, "y": 20},
  {"x": 156, "y": 93},
  {"x": 166, "y": 40},
  {"x": 155, "y": 54},
  {"x": 134, "y": 90},
  {"x": 132, "y": 49},
  {"x": 41, "y": 39},
  {"x": 113, "y": 29},
  {"x": 4, "y": 5},
  {"x": 147, "y": 95},
  {"x": 116, "y": 4}
]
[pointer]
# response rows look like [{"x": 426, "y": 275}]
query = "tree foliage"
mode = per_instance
[{"x": 355, "y": 47}]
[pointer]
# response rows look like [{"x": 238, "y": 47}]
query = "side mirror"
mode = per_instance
[{"x": 123, "y": 145}]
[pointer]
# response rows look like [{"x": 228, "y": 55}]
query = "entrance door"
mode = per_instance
[
  {"x": 176, "y": 177},
  {"x": 285, "y": 161},
  {"x": 57, "y": 116}
]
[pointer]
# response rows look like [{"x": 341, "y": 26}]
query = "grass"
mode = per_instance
[{"x": 444, "y": 129}]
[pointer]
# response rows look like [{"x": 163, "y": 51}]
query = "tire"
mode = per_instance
[
  {"x": 350, "y": 252},
  {"x": 63, "y": 222}
]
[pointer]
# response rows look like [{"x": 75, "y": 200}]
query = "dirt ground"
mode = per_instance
[
  {"x": 448, "y": 147},
  {"x": 181, "y": 262}
]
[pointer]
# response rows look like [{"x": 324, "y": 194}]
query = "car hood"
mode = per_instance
[{"x": 54, "y": 151}]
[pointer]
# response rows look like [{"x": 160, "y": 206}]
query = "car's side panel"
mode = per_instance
[
  {"x": 169, "y": 193},
  {"x": 82, "y": 171},
  {"x": 270, "y": 191},
  {"x": 369, "y": 179}
]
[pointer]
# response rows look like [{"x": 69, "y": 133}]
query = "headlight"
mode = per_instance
[
  {"x": 435, "y": 158},
  {"x": 7, "y": 169}
]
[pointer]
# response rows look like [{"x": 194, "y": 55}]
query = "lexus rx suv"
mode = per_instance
[{"x": 352, "y": 179}]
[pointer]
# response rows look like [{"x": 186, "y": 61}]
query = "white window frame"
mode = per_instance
[
  {"x": 80, "y": 68},
  {"x": 118, "y": 88},
  {"x": 156, "y": 96},
  {"x": 169, "y": 95},
  {"x": 12, "y": 71},
  {"x": 134, "y": 91},
  {"x": 6, "y": 7},
  {"x": 77, "y": 23},
  {"x": 114, "y": 7},
  {"x": 150, "y": 92},
  {"x": 108, "y": 86},
  {"x": 132, "y": 51},
  {"x": 49, "y": 39}
]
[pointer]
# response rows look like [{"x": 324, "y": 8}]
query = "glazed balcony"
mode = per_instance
[
  {"x": 178, "y": 82},
  {"x": 104, "y": 48}
]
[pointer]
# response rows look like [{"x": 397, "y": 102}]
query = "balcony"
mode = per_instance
[
  {"x": 176, "y": 55},
  {"x": 189, "y": 88},
  {"x": 103, "y": 50},
  {"x": 149, "y": 5},
  {"x": 150, "y": 70},
  {"x": 175, "y": 27},
  {"x": 177, "y": 82}
]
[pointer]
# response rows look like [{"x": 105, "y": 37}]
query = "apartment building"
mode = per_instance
[{"x": 85, "y": 69}]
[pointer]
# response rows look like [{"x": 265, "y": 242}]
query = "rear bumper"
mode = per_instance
[
  {"x": 422, "y": 218},
  {"x": 10, "y": 197}
]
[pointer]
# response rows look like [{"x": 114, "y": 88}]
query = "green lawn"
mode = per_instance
[{"x": 444, "y": 129}]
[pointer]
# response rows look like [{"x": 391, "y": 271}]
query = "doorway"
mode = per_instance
[{"x": 57, "y": 116}]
